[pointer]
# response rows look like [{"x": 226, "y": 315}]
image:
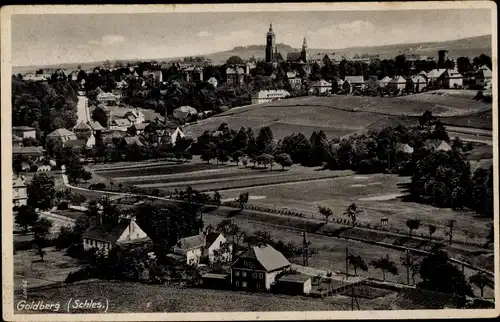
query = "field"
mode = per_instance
[
  {"x": 54, "y": 269},
  {"x": 481, "y": 120},
  {"x": 127, "y": 297},
  {"x": 337, "y": 115}
]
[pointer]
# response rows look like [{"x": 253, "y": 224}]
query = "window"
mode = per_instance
[
  {"x": 254, "y": 275},
  {"x": 245, "y": 263},
  {"x": 244, "y": 274},
  {"x": 237, "y": 283},
  {"x": 236, "y": 273},
  {"x": 261, "y": 275},
  {"x": 244, "y": 284}
]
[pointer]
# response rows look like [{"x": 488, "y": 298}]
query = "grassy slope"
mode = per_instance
[{"x": 338, "y": 115}]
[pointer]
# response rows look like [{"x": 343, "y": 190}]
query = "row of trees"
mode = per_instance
[{"x": 46, "y": 106}]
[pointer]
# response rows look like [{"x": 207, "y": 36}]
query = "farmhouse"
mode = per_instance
[
  {"x": 483, "y": 76},
  {"x": 60, "y": 136},
  {"x": 24, "y": 132},
  {"x": 293, "y": 284},
  {"x": 173, "y": 136},
  {"x": 438, "y": 145},
  {"x": 321, "y": 86},
  {"x": 419, "y": 83},
  {"x": 404, "y": 148},
  {"x": 19, "y": 191},
  {"x": 134, "y": 116},
  {"x": 190, "y": 248},
  {"x": 398, "y": 82},
  {"x": 294, "y": 80},
  {"x": 185, "y": 112},
  {"x": 384, "y": 81},
  {"x": 452, "y": 78},
  {"x": 256, "y": 269},
  {"x": 106, "y": 237},
  {"x": 434, "y": 75},
  {"x": 267, "y": 96},
  {"x": 209, "y": 246},
  {"x": 354, "y": 82},
  {"x": 107, "y": 98}
]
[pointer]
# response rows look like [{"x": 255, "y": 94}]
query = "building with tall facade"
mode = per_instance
[{"x": 270, "y": 44}]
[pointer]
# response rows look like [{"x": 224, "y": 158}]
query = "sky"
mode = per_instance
[{"x": 68, "y": 38}]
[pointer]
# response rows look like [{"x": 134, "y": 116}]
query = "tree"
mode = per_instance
[
  {"x": 265, "y": 159},
  {"x": 450, "y": 225},
  {"x": 240, "y": 141},
  {"x": 242, "y": 199},
  {"x": 87, "y": 175},
  {"x": 326, "y": 212},
  {"x": 100, "y": 115},
  {"x": 217, "y": 198},
  {"x": 26, "y": 216},
  {"x": 41, "y": 191},
  {"x": 412, "y": 265},
  {"x": 284, "y": 160},
  {"x": 385, "y": 264},
  {"x": 236, "y": 156},
  {"x": 352, "y": 212},
  {"x": 265, "y": 140},
  {"x": 234, "y": 60},
  {"x": 432, "y": 230},
  {"x": 412, "y": 224},
  {"x": 439, "y": 275},
  {"x": 40, "y": 230},
  {"x": 481, "y": 281},
  {"x": 356, "y": 262}
]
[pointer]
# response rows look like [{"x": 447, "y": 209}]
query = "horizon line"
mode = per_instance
[{"x": 211, "y": 53}]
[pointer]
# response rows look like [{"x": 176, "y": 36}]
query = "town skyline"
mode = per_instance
[{"x": 98, "y": 37}]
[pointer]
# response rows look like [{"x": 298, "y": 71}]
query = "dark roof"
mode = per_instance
[
  {"x": 191, "y": 242},
  {"x": 216, "y": 276},
  {"x": 23, "y": 128},
  {"x": 210, "y": 239},
  {"x": 267, "y": 256},
  {"x": 75, "y": 143},
  {"x": 293, "y": 56},
  {"x": 82, "y": 126},
  {"x": 354, "y": 79},
  {"x": 96, "y": 126},
  {"x": 129, "y": 140},
  {"x": 27, "y": 150},
  {"x": 295, "y": 278},
  {"x": 106, "y": 233}
]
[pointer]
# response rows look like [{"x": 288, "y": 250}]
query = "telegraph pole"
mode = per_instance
[
  {"x": 305, "y": 250},
  {"x": 346, "y": 263},
  {"x": 407, "y": 267}
]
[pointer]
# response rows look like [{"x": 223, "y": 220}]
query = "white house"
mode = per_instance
[
  {"x": 384, "y": 81},
  {"x": 355, "y": 82},
  {"x": 135, "y": 116},
  {"x": 209, "y": 244},
  {"x": 104, "y": 237},
  {"x": 184, "y": 112},
  {"x": 19, "y": 191},
  {"x": 452, "y": 78},
  {"x": 483, "y": 76},
  {"x": 26, "y": 131},
  {"x": 44, "y": 168},
  {"x": 191, "y": 248},
  {"x": 294, "y": 80},
  {"x": 438, "y": 145},
  {"x": 266, "y": 96},
  {"x": 321, "y": 86},
  {"x": 419, "y": 83},
  {"x": 398, "y": 82},
  {"x": 60, "y": 136},
  {"x": 107, "y": 98}
]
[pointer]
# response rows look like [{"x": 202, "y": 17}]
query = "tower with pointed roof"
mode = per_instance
[
  {"x": 270, "y": 44},
  {"x": 304, "y": 54}
]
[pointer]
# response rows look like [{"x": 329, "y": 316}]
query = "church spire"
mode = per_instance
[
  {"x": 304, "y": 43},
  {"x": 270, "y": 26}
]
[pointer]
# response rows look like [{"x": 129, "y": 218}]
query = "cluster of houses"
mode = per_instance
[{"x": 260, "y": 268}]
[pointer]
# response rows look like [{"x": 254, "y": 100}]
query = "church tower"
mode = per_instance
[
  {"x": 304, "y": 54},
  {"x": 270, "y": 44}
]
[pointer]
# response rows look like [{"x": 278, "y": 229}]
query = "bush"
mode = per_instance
[
  {"x": 81, "y": 275},
  {"x": 62, "y": 206}
]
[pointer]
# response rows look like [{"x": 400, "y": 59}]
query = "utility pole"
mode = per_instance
[
  {"x": 407, "y": 267},
  {"x": 346, "y": 263},
  {"x": 305, "y": 250}
]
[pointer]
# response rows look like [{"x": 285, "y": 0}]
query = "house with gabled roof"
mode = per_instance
[
  {"x": 212, "y": 246},
  {"x": 438, "y": 145},
  {"x": 404, "y": 148},
  {"x": 398, "y": 82},
  {"x": 384, "y": 81},
  {"x": 434, "y": 75},
  {"x": 483, "y": 76},
  {"x": 60, "y": 136},
  {"x": 257, "y": 268},
  {"x": 125, "y": 233},
  {"x": 213, "y": 81},
  {"x": 419, "y": 83},
  {"x": 452, "y": 78},
  {"x": 354, "y": 82},
  {"x": 190, "y": 248},
  {"x": 24, "y": 131},
  {"x": 321, "y": 86}
]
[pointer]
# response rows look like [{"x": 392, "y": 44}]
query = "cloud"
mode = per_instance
[
  {"x": 355, "y": 26},
  {"x": 204, "y": 34},
  {"x": 109, "y": 40}
]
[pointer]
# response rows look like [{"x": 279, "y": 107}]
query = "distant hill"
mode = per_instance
[{"x": 470, "y": 47}]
